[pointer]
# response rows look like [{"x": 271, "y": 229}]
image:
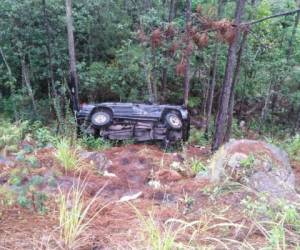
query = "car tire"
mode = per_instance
[
  {"x": 173, "y": 120},
  {"x": 101, "y": 118}
]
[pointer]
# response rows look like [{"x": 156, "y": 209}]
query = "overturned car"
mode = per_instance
[{"x": 140, "y": 122}]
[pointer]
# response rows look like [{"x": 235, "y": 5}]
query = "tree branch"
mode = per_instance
[{"x": 273, "y": 16}]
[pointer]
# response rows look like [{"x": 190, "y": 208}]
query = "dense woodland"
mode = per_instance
[{"x": 221, "y": 58}]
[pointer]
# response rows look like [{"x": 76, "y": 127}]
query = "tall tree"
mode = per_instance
[
  {"x": 187, "y": 56},
  {"x": 234, "y": 82},
  {"x": 292, "y": 38},
  {"x": 164, "y": 78},
  {"x": 73, "y": 78},
  {"x": 213, "y": 73},
  {"x": 221, "y": 120}
]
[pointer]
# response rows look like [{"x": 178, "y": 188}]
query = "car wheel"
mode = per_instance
[
  {"x": 101, "y": 118},
  {"x": 173, "y": 120}
]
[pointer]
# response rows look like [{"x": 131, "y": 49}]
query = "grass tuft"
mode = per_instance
[
  {"x": 67, "y": 155},
  {"x": 73, "y": 215}
]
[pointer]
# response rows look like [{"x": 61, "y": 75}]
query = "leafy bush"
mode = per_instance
[
  {"x": 44, "y": 137},
  {"x": 198, "y": 137},
  {"x": 293, "y": 147},
  {"x": 11, "y": 135},
  {"x": 24, "y": 190}
]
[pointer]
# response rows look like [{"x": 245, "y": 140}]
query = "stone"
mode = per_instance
[
  {"x": 97, "y": 159},
  {"x": 256, "y": 164}
]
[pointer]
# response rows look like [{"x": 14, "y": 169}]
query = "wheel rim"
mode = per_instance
[
  {"x": 100, "y": 118},
  {"x": 175, "y": 121}
]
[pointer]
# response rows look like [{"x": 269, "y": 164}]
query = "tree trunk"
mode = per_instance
[
  {"x": 172, "y": 10},
  {"x": 147, "y": 70},
  {"x": 292, "y": 38},
  {"x": 12, "y": 82},
  {"x": 164, "y": 79},
  {"x": 236, "y": 78},
  {"x": 187, "y": 59},
  {"x": 221, "y": 119},
  {"x": 73, "y": 78},
  {"x": 265, "y": 109},
  {"x": 213, "y": 74},
  {"x": 57, "y": 107},
  {"x": 26, "y": 78}
]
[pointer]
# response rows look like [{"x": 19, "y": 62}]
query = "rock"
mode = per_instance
[
  {"x": 154, "y": 184},
  {"x": 130, "y": 197},
  {"x": 256, "y": 164},
  {"x": 97, "y": 159},
  {"x": 167, "y": 175},
  {"x": 107, "y": 174}
]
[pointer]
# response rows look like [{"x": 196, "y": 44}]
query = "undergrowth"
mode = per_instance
[
  {"x": 278, "y": 221},
  {"x": 67, "y": 155},
  {"x": 92, "y": 143},
  {"x": 10, "y": 135},
  {"x": 74, "y": 219}
]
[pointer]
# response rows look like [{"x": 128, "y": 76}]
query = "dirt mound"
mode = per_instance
[{"x": 257, "y": 164}]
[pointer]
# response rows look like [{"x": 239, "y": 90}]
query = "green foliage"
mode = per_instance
[
  {"x": 17, "y": 176},
  {"x": 282, "y": 218},
  {"x": 198, "y": 137},
  {"x": 11, "y": 135},
  {"x": 248, "y": 162},
  {"x": 92, "y": 143},
  {"x": 44, "y": 136},
  {"x": 197, "y": 166},
  {"x": 24, "y": 190},
  {"x": 293, "y": 147},
  {"x": 114, "y": 64}
]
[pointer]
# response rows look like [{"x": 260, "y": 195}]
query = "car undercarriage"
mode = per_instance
[{"x": 119, "y": 121}]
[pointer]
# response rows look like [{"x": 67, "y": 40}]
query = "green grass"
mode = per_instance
[
  {"x": 279, "y": 221},
  {"x": 74, "y": 220},
  {"x": 197, "y": 166},
  {"x": 153, "y": 235},
  {"x": 67, "y": 155}
]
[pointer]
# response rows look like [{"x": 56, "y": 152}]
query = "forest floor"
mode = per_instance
[{"x": 197, "y": 213}]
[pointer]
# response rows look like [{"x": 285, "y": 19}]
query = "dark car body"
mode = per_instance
[{"x": 136, "y": 121}]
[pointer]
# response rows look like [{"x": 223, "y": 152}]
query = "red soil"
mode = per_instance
[{"x": 119, "y": 225}]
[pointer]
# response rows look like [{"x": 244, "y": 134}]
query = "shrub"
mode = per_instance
[
  {"x": 25, "y": 190},
  {"x": 293, "y": 147},
  {"x": 93, "y": 143},
  {"x": 11, "y": 135},
  {"x": 44, "y": 137},
  {"x": 198, "y": 137}
]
